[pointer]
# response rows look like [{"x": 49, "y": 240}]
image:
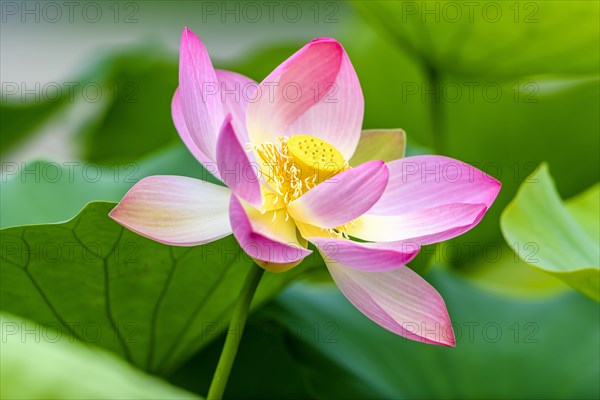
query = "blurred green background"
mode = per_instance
[{"x": 85, "y": 113}]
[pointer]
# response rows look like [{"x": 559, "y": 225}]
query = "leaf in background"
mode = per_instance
[
  {"x": 153, "y": 304},
  {"x": 131, "y": 91},
  {"x": 383, "y": 72},
  {"x": 19, "y": 120},
  {"x": 138, "y": 86},
  {"x": 505, "y": 346},
  {"x": 503, "y": 272},
  {"x": 46, "y": 192},
  {"x": 462, "y": 38},
  {"x": 263, "y": 350},
  {"x": 585, "y": 208},
  {"x": 537, "y": 219},
  {"x": 41, "y": 363}
]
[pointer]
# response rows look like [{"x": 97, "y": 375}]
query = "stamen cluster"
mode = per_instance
[{"x": 285, "y": 180}]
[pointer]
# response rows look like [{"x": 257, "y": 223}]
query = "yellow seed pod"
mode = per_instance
[{"x": 316, "y": 158}]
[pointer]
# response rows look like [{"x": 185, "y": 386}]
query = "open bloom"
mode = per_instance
[{"x": 284, "y": 150}]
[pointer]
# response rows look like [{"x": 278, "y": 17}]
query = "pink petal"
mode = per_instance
[
  {"x": 199, "y": 90},
  {"x": 342, "y": 198},
  {"x": 314, "y": 92},
  {"x": 370, "y": 257},
  {"x": 235, "y": 168},
  {"x": 423, "y": 182},
  {"x": 398, "y": 300},
  {"x": 184, "y": 133},
  {"x": 235, "y": 91},
  {"x": 419, "y": 227},
  {"x": 265, "y": 239},
  {"x": 175, "y": 210}
]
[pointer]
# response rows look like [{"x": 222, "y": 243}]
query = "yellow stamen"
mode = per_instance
[
  {"x": 342, "y": 230},
  {"x": 292, "y": 166}
]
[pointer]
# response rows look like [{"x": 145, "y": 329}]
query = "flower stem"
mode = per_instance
[
  {"x": 234, "y": 334},
  {"x": 436, "y": 109}
]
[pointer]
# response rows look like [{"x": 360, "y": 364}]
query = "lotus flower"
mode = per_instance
[{"x": 282, "y": 150}]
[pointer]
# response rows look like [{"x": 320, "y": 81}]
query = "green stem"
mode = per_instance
[
  {"x": 234, "y": 334},
  {"x": 435, "y": 107}
]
